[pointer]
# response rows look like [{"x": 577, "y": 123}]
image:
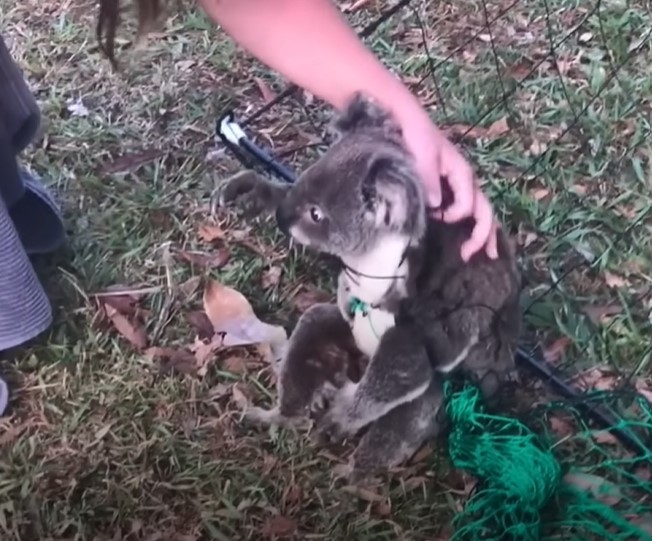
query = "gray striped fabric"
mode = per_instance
[{"x": 29, "y": 220}]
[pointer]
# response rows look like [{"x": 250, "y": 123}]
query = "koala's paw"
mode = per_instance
[
  {"x": 261, "y": 416},
  {"x": 334, "y": 425},
  {"x": 247, "y": 191}
]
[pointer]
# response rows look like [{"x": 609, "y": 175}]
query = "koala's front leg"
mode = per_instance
[
  {"x": 396, "y": 436},
  {"x": 398, "y": 373},
  {"x": 252, "y": 193}
]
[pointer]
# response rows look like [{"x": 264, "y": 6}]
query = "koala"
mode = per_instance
[
  {"x": 415, "y": 308},
  {"x": 320, "y": 357}
]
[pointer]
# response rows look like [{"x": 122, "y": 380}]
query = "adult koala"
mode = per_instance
[{"x": 414, "y": 307}]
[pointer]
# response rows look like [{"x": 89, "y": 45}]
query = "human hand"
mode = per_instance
[{"x": 437, "y": 157}]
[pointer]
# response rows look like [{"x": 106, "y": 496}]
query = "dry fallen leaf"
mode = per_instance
[
  {"x": 604, "y": 437},
  {"x": 383, "y": 509},
  {"x": 601, "y": 313},
  {"x": 498, "y": 128},
  {"x": 231, "y": 314},
  {"x": 265, "y": 91},
  {"x": 601, "y": 489},
  {"x": 350, "y": 7},
  {"x": 173, "y": 359},
  {"x": 204, "y": 352},
  {"x": 293, "y": 495},
  {"x": 199, "y": 320},
  {"x": 215, "y": 259},
  {"x": 271, "y": 277},
  {"x": 131, "y": 162},
  {"x": 235, "y": 365},
  {"x": 613, "y": 280},
  {"x": 555, "y": 351},
  {"x": 540, "y": 193},
  {"x": 279, "y": 526},
  {"x": 209, "y": 232},
  {"x": 363, "y": 493},
  {"x": 560, "y": 427},
  {"x": 133, "y": 332},
  {"x": 239, "y": 395},
  {"x": 190, "y": 286}
]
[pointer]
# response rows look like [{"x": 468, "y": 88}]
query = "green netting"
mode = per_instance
[{"x": 536, "y": 485}]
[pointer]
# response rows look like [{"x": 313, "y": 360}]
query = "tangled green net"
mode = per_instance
[{"x": 535, "y": 487}]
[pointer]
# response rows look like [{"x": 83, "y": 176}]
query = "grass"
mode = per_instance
[{"x": 100, "y": 445}]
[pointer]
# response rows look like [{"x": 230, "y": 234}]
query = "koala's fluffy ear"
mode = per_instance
[
  {"x": 393, "y": 195},
  {"x": 363, "y": 113}
]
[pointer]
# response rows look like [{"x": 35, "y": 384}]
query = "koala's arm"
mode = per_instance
[
  {"x": 398, "y": 373},
  {"x": 252, "y": 193}
]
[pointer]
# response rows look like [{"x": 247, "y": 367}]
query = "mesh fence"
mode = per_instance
[{"x": 552, "y": 103}]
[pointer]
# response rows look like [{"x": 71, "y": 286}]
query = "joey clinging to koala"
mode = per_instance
[{"x": 415, "y": 307}]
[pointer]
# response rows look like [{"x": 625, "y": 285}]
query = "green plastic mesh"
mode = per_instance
[{"x": 536, "y": 485}]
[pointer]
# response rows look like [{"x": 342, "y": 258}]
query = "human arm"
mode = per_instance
[{"x": 310, "y": 43}]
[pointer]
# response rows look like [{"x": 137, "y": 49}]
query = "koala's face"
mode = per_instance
[{"x": 362, "y": 188}]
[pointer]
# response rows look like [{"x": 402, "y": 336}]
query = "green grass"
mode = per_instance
[{"x": 99, "y": 445}]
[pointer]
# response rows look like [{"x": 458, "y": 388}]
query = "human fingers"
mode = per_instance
[
  {"x": 462, "y": 184},
  {"x": 492, "y": 243},
  {"x": 483, "y": 215}
]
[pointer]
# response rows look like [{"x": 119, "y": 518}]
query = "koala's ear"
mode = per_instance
[
  {"x": 391, "y": 193},
  {"x": 362, "y": 113}
]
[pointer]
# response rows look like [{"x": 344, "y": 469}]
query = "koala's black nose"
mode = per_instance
[{"x": 284, "y": 219}]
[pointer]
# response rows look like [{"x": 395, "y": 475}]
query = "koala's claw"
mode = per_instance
[{"x": 332, "y": 428}]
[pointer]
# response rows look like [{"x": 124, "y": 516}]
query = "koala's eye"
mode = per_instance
[{"x": 315, "y": 214}]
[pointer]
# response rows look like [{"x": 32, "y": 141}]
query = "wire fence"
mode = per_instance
[{"x": 550, "y": 101}]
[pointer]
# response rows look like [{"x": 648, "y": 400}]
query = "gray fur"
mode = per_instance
[
  {"x": 449, "y": 315},
  {"x": 320, "y": 357}
]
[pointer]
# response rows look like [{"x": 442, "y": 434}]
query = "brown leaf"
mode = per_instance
[
  {"x": 555, "y": 351},
  {"x": 173, "y": 359},
  {"x": 204, "y": 352},
  {"x": 601, "y": 489},
  {"x": 216, "y": 259},
  {"x": 265, "y": 91},
  {"x": 231, "y": 315},
  {"x": 350, "y": 7},
  {"x": 498, "y": 128},
  {"x": 209, "y": 232},
  {"x": 199, "y": 320},
  {"x": 223, "y": 303},
  {"x": 306, "y": 298},
  {"x": 362, "y": 493},
  {"x": 190, "y": 286},
  {"x": 279, "y": 526},
  {"x": 125, "y": 304},
  {"x": 293, "y": 495},
  {"x": 540, "y": 193},
  {"x": 132, "y": 332},
  {"x": 235, "y": 365},
  {"x": 271, "y": 277},
  {"x": 604, "y": 437},
  {"x": 561, "y": 427},
  {"x": 415, "y": 482},
  {"x": 131, "y": 161},
  {"x": 602, "y": 313},
  {"x": 613, "y": 280},
  {"x": 240, "y": 396},
  {"x": 383, "y": 508}
]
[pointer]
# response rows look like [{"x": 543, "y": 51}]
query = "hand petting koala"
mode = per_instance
[{"x": 413, "y": 305}]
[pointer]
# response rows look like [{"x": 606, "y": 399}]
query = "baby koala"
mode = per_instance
[
  {"x": 414, "y": 307},
  {"x": 320, "y": 357}
]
